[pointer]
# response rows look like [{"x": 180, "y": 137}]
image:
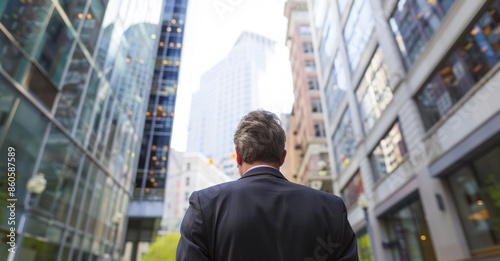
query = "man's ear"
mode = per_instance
[
  {"x": 238, "y": 156},
  {"x": 283, "y": 156}
]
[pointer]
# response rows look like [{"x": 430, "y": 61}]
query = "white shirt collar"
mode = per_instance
[{"x": 258, "y": 166}]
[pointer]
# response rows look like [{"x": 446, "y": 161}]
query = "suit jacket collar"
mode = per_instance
[{"x": 263, "y": 171}]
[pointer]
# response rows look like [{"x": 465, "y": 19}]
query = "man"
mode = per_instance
[{"x": 262, "y": 216}]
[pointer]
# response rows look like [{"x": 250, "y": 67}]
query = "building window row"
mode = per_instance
[
  {"x": 414, "y": 22},
  {"x": 472, "y": 58}
]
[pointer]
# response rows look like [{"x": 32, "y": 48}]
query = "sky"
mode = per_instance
[{"x": 211, "y": 29}]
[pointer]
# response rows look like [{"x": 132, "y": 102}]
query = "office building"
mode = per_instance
[
  {"x": 74, "y": 83},
  {"x": 410, "y": 91},
  {"x": 307, "y": 159},
  {"x": 243, "y": 81},
  {"x": 147, "y": 204},
  {"x": 188, "y": 172}
]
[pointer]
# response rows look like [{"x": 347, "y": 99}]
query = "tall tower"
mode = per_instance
[
  {"x": 235, "y": 86},
  {"x": 146, "y": 208}
]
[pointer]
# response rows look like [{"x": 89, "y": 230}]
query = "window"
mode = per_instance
[
  {"x": 408, "y": 234},
  {"x": 25, "y": 20},
  {"x": 320, "y": 10},
  {"x": 357, "y": 30},
  {"x": 343, "y": 141},
  {"x": 186, "y": 196},
  {"x": 305, "y": 31},
  {"x": 319, "y": 129},
  {"x": 352, "y": 190},
  {"x": 389, "y": 153},
  {"x": 310, "y": 66},
  {"x": 342, "y": 5},
  {"x": 474, "y": 56},
  {"x": 475, "y": 189},
  {"x": 73, "y": 9},
  {"x": 13, "y": 61},
  {"x": 307, "y": 47},
  {"x": 23, "y": 133},
  {"x": 84, "y": 123},
  {"x": 312, "y": 82},
  {"x": 91, "y": 25},
  {"x": 54, "y": 48},
  {"x": 8, "y": 95},
  {"x": 316, "y": 105},
  {"x": 327, "y": 42},
  {"x": 335, "y": 87},
  {"x": 374, "y": 93},
  {"x": 414, "y": 22},
  {"x": 187, "y": 181},
  {"x": 41, "y": 87}
]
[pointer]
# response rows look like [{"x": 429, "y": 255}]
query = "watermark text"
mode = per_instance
[{"x": 11, "y": 198}]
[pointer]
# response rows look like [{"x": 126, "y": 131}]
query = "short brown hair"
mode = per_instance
[{"x": 260, "y": 137}]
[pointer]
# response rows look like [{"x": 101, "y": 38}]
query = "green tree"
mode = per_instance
[{"x": 163, "y": 248}]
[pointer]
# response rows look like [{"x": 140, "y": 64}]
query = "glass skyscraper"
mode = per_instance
[
  {"x": 75, "y": 78},
  {"x": 146, "y": 209}
]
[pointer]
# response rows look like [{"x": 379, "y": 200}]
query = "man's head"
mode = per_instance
[{"x": 260, "y": 138}]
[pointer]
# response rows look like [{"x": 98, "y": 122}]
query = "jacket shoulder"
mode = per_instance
[{"x": 215, "y": 190}]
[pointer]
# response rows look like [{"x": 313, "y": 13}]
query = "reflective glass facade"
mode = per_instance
[
  {"x": 74, "y": 81},
  {"x": 336, "y": 87},
  {"x": 409, "y": 236},
  {"x": 475, "y": 188},
  {"x": 389, "y": 153},
  {"x": 352, "y": 190},
  {"x": 374, "y": 92},
  {"x": 357, "y": 31},
  {"x": 152, "y": 171},
  {"x": 413, "y": 24},
  {"x": 474, "y": 56},
  {"x": 343, "y": 142},
  {"x": 328, "y": 38},
  {"x": 146, "y": 208}
]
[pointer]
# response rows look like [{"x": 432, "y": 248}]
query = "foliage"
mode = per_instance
[{"x": 163, "y": 248}]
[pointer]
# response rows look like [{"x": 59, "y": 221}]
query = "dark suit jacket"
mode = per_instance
[{"x": 264, "y": 217}]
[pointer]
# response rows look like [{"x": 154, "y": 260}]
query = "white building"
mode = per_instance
[
  {"x": 188, "y": 172},
  {"x": 248, "y": 78}
]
